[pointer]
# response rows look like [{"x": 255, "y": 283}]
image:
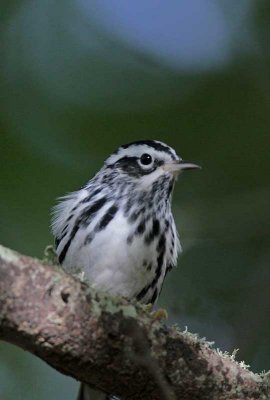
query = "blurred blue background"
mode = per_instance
[{"x": 78, "y": 79}]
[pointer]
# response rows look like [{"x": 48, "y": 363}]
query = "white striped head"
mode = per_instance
[{"x": 147, "y": 161}]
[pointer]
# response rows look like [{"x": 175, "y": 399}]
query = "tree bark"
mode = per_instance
[{"x": 114, "y": 345}]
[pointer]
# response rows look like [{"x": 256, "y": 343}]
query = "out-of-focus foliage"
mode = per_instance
[{"x": 77, "y": 80}]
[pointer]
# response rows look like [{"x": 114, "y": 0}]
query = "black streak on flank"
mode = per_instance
[
  {"x": 154, "y": 297},
  {"x": 90, "y": 196},
  {"x": 160, "y": 260},
  {"x": 158, "y": 269},
  {"x": 143, "y": 292},
  {"x": 89, "y": 211},
  {"x": 57, "y": 241},
  {"x": 109, "y": 215},
  {"x": 159, "y": 264},
  {"x": 153, "y": 233},
  {"x": 85, "y": 219},
  {"x": 135, "y": 215},
  {"x": 141, "y": 227},
  {"x": 66, "y": 247},
  {"x": 161, "y": 244},
  {"x": 70, "y": 217},
  {"x": 75, "y": 207}
]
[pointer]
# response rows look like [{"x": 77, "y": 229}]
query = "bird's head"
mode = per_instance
[{"x": 147, "y": 161}]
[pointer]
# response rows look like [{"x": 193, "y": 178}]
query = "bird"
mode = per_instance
[{"x": 119, "y": 229}]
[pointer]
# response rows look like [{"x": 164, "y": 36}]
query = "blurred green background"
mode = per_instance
[{"x": 78, "y": 79}]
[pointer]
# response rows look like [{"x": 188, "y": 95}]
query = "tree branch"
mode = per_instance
[{"x": 110, "y": 343}]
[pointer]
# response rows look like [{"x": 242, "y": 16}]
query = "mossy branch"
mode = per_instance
[{"x": 110, "y": 343}]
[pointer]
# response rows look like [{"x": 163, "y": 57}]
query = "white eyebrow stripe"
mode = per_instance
[{"x": 136, "y": 151}]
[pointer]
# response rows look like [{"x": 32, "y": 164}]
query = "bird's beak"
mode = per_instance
[{"x": 175, "y": 167}]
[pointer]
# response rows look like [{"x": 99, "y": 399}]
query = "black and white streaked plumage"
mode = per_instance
[{"x": 119, "y": 228}]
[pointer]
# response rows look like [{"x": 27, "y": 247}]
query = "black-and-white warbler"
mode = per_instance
[{"x": 119, "y": 228}]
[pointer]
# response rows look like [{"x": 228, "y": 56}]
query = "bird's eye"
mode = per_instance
[{"x": 146, "y": 159}]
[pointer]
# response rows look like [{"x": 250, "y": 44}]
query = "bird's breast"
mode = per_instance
[{"x": 124, "y": 256}]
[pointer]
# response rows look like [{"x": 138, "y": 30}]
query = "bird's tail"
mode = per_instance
[{"x": 87, "y": 393}]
